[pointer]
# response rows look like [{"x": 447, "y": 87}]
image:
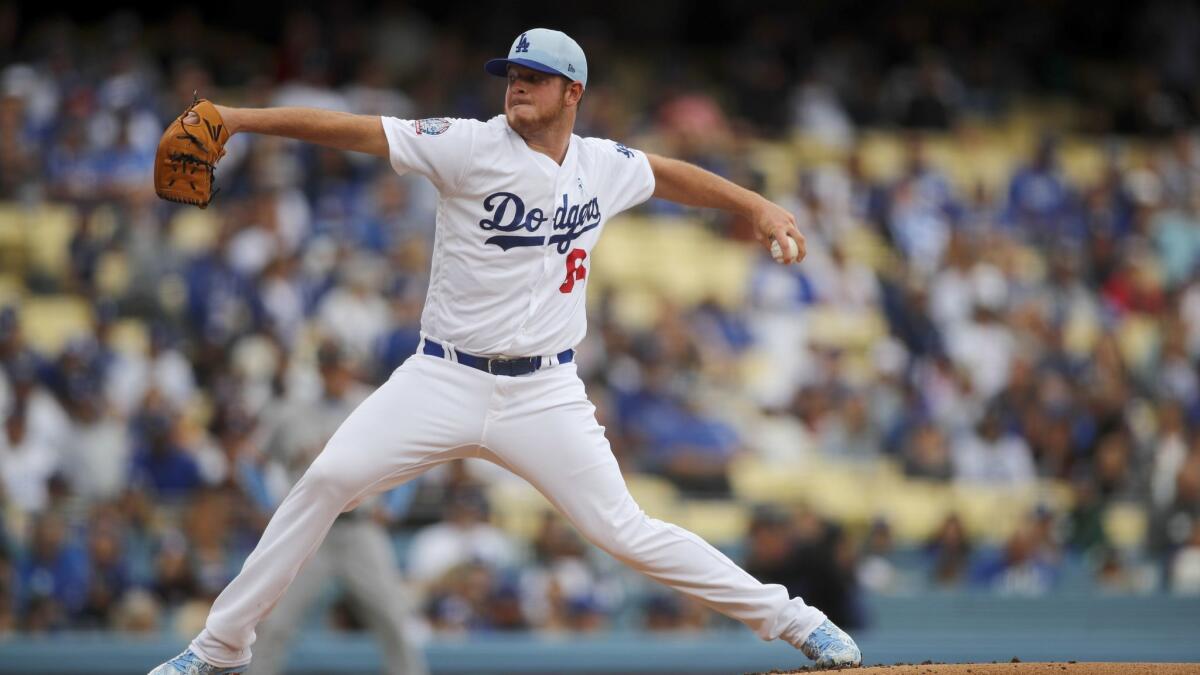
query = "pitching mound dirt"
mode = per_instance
[{"x": 1025, "y": 669}]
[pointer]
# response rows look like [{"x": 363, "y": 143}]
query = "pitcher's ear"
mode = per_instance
[{"x": 574, "y": 92}]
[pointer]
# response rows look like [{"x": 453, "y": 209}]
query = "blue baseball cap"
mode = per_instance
[{"x": 544, "y": 50}]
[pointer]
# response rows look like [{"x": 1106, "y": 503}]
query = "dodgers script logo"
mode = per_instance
[{"x": 508, "y": 214}]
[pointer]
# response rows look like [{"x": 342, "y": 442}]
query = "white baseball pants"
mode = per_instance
[{"x": 539, "y": 426}]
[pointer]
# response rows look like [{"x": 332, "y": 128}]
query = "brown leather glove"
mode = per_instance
[{"x": 188, "y": 153}]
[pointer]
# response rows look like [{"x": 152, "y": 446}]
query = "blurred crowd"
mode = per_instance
[{"x": 1046, "y": 331}]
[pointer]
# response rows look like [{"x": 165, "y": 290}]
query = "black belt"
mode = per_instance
[{"x": 511, "y": 367}]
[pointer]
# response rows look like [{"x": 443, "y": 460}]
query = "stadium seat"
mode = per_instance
[
  {"x": 112, "y": 274},
  {"x": 754, "y": 480},
  {"x": 1080, "y": 333},
  {"x": 882, "y": 155},
  {"x": 48, "y": 233},
  {"x": 812, "y": 149},
  {"x": 12, "y": 289},
  {"x": 980, "y": 157},
  {"x": 864, "y": 245},
  {"x": 12, "y": 238},
  {"x": 131, "y": 336},
  {"x": 1082, "y": 162},
  {"x": 1125, "y": 525},
  {"x": 780, "y": 164},
  {"x": 916, "y": 511},
  {"x": 50, "y": 321},
  {"x": 719, "y": 522},
  {"x": 838, "y": 491},
  {"x": 193, "y": 230},
  {"x": 36, "y": 240},
  {"x": 517, "y": 507},
  {"x": 991, "y": 513},
  {"x": 1138, "y": 338},
  {"x": 672, "y": 258},
  {"x": 845, "y": 329}
]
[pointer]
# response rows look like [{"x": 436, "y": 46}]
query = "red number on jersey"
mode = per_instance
[{"x": 575, "y": 270}]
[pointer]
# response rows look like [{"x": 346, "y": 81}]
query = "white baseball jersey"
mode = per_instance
[{"x": 514, "y": 229}]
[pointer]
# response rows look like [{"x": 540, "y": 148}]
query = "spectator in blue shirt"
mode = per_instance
[
  {"x": 1039, "y": 199},
  {"x": 52, "y": 576},
  {"x": 160, "y": 462}
]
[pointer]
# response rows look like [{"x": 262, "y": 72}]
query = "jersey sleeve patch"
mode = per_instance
[
  {"x": 624, "y": 150},
  {"x": 431, "y": 126}
]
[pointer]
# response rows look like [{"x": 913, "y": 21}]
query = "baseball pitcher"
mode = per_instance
[{"x": 522, "y": 203}]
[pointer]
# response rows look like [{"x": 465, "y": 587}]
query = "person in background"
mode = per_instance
[{"x": 358, "y": 554}]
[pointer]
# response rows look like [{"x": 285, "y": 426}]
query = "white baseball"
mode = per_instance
[{"x": 777, "y": 252}]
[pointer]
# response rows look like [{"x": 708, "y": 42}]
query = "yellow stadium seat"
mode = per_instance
[
  {"x": 672, "y": 258},
  {"x": 131, "y": 336},
  {"x": 620, "y": 258},
  {"x": 882, "y": 155},
  {"x": 1056, "y": 494},
  {"x": 36, "y": 238},
  {"x": 941, "y": 150},
  {"x": 112, "y": 274},
  {"x": 1137, "y": 338},
  {"x": 837, "y": 491},
  {"x": 193, "y": 230},
  {"x": 846, "y": 329},
  {"x": 1125, "y": 524},
  {"x": 1080, "y": 333},
  {"x": 12, "y": 238},
  {"x": 48, "y": 232},
  {"x": 48, "y": 322},
  {"x": 991, "y": 513},
  {"x": 11, "y": 290},
  {"x": 517, "y": 507},
  {"x": 1082, "y": 161},
  {"x": 616, "y": 258},
  {"x": 981, "y": 157},
  {"x": 809, "y": 150},
  {"x": 914, "y": 511},
  {"x": 636, "y": 308},
  {"x": 1024, "y": 124},
  {"x": 718, "y": 522},
  {"x": 780, "y": 164},
  {"x": 863, "y": 245},
  {"x": 754, "y": 480}
]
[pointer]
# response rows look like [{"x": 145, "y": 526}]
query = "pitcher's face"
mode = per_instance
[{"x": 535, "y": 100}]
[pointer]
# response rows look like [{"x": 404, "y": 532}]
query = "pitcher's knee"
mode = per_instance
[
  {"x": 622, "y": 536},
  {"x": 331, "y": 479}
]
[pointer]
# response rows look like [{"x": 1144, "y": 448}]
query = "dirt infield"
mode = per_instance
[{"x": 1018, "y": 668}]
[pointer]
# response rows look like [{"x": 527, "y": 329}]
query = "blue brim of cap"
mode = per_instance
[{"x": 499, "y": 67}]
